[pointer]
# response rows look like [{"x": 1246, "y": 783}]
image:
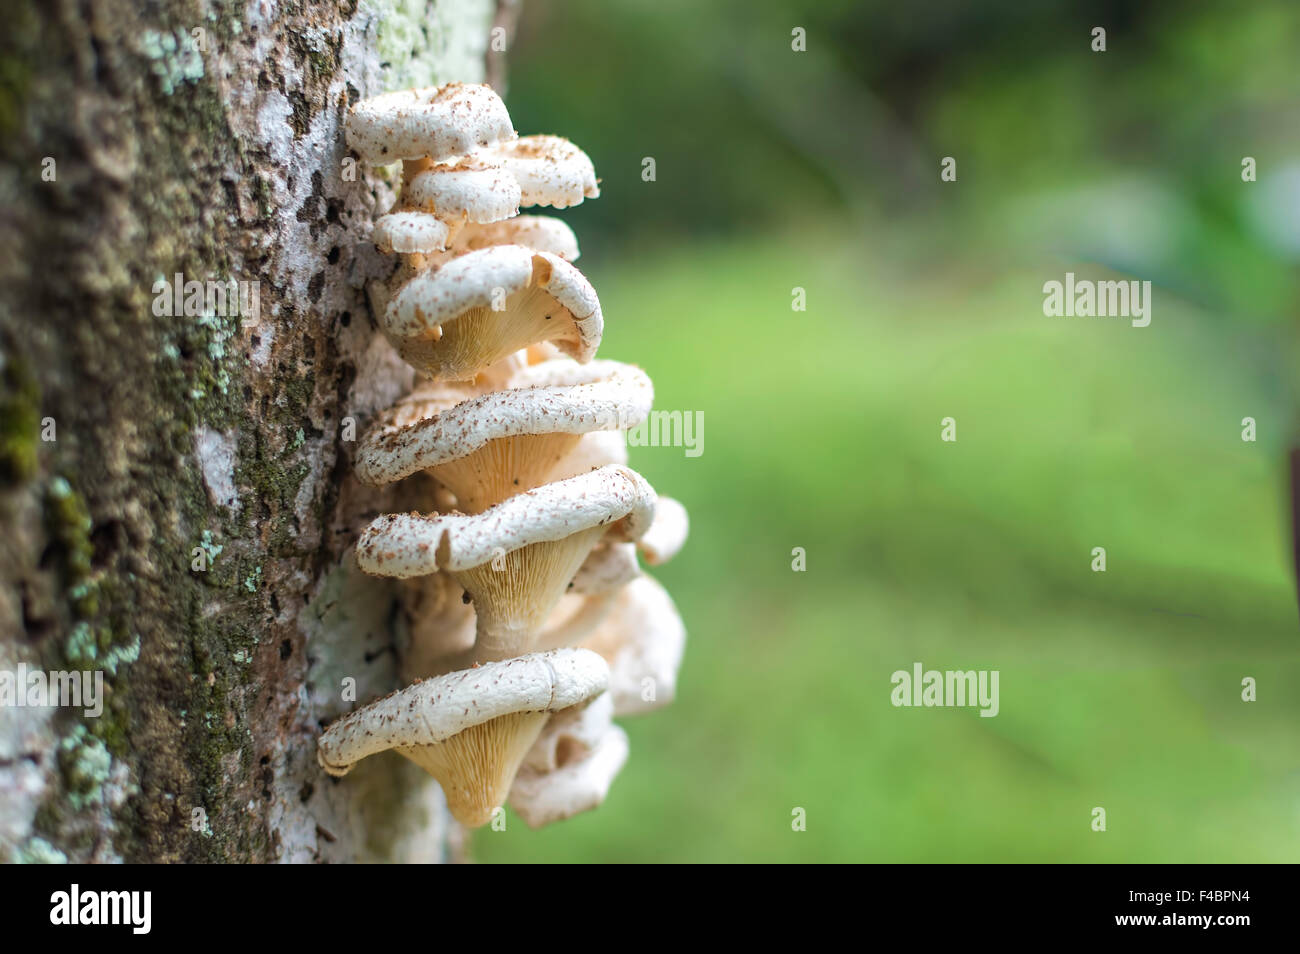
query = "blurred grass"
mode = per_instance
[{"x": 1118, "y": 689}]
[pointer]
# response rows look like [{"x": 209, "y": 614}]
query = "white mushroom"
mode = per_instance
[
  {"x": 610, "y": 566},
  {"x": 467, "y": 190},
  {"x": 542, "y": 233},
  {"x": 571, "y": 765},
  {"x": 515, "y": 559},
  {"x": 455, "y": 321},
  {"x": 667, "y": 534},
  {"x": 550, "y": 170},
  {"x": 437, "y": 122},
  {"x": 510, "y": 572},
  {"x": 410, "y": 231},
  {"x": 569, "y": 735},
  {"x": 643, "y": 639},
  {"x": 470, "y": 729},
  {"x": 505, "y": 442}
]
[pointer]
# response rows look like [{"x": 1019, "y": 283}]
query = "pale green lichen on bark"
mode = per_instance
[
  {"x": 85, "y": 763},
  {"x": 175, "y": 57},
  {"x": 38, "y": 851},
  {"x": 425, "y": 44}
]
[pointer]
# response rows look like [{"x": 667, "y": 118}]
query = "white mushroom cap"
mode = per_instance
[
  {"x": 550, "y": 170},
  {"x": 438, "y": 122},
  {"x": 615, "y": 499},
  {"x": 571, "y": 765},
  {"x": 517, "y": 558},
  {"x": 611, "y": 565},
  {"x": 542, "y": 233},
  {"x": 667, "y": 534},
  {"x": 490, "y": 446},
  {"x": 443, "y": 321},
  {"x": 468, "y": 729},
  {"x": 643, "y": 638},
  {"x": 409, "y": 232},
  {"x": 569, "y": 735},
  {"x": 467, "y": 190}
]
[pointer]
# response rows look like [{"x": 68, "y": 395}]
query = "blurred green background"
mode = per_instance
[{"x": 820, "y": 170}]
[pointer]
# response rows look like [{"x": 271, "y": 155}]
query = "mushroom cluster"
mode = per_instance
[{"x": 533, "y": 626}]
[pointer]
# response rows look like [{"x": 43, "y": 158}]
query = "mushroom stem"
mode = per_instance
[
  {"x": 513, "y": 601},
  {"x": 412, "y": 168},
  {"x": 477, "y": 766}
]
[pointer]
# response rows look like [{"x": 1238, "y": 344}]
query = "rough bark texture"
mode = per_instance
[{"x": 203, "y": 440}]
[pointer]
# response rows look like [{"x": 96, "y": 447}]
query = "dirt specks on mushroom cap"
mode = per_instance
[
  {"x": 434, "y": 122},
  {"x": 407, "y": 545}
]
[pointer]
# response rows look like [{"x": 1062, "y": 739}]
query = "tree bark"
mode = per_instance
[{"x": 175, "y": 489}]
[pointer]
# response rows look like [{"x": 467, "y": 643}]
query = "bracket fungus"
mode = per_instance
[
  {"x": 572, "y": 764},
  {"x": 541, "y": 233},
  {"x": 550, "y": 170},
  {"x": 642, "y": 638},
  {"x": 456, "y": 320},
  {"x": 410, "y": 231},
  {"x": 434, "y": 122},
  {"x": 494, "y": 445},
  {"x": 517, "y": 558},
  {"x": 469, "y": 190},
  {"x": 470, "y": 730},
  {"x": 531, "y": 624},
  {"x": 667, "y": 534},
  {"x": 610, "y": 566}
]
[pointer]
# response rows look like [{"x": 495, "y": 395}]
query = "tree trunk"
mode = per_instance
[{"x": 175, "y": 472}]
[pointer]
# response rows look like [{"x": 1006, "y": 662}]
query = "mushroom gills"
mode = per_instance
[
  {"x": 514, "y": 599},
  {"x": 477, "y": 766},
  {"x": 503, "y": 467},
  {"x": 483, "y": 336}
]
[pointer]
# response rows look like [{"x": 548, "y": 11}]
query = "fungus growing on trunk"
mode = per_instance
[
  {"x": 410, "y": 232},
  {"x": 571, "y": 766},
  {"x": 533, "y": 506},
  {"x": 550, "y": 170},
  {"x": 453, "y": 321},
  {"x": 515, "y": 559},
  {"x": 667, "y": 534},
  {"x": 498, "y": 444},
  {"x": 467, "y": 190},
  {"x": 642, "y": 638},
  {"x": 471, "y": 729},
  {"x": 541, "y": 233},
  {"x": 611, "y": 565},
  {"x": 435, "y": 123}
]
